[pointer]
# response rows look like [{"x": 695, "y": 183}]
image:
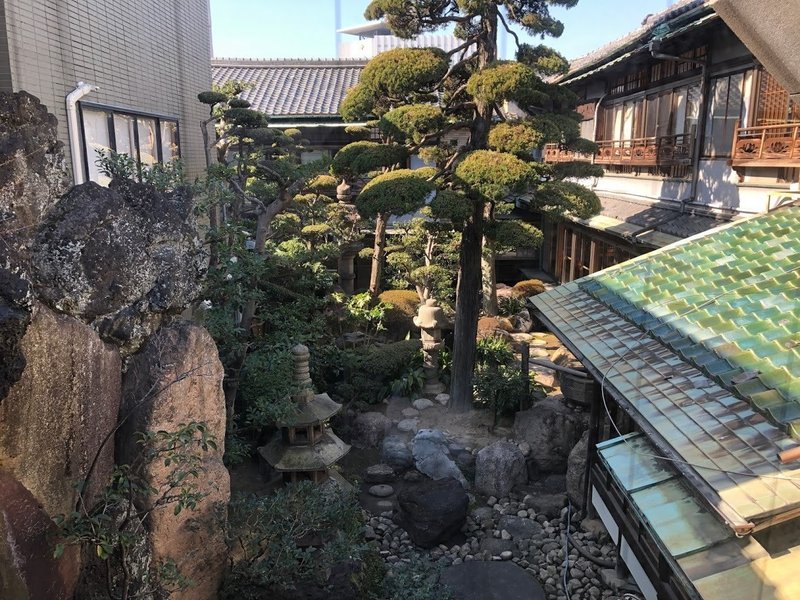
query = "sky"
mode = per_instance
[{"x": 306, "y": 28}]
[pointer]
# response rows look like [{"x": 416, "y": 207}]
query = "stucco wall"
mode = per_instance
[{"x": 147, "y": 55}]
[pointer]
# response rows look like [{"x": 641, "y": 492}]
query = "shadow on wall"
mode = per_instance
[{"x": 717, "y": 185}]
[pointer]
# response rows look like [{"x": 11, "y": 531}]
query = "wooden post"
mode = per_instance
[{"x": 591, "y": 451}]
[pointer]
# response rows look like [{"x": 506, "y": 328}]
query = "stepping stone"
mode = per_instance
[
  {"x": 539, "y": 353},
  {"x": 384, "y": 505},
  {"x": 381, "y": 490},
  {"x": 442, "y": 399},
  {"x": 410, "y": 412},
  {"x": 501, "y": 580},
  {"x": 422, "y": 403},
  {"x": 408, "y": 425},
  {"x": 538, "y": 344},
  {"x": 379, "y": 474}
]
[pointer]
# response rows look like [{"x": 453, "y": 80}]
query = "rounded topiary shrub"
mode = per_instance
[
  {"x": 528, "y": 288},
  {"x": 399, "y": 318}
]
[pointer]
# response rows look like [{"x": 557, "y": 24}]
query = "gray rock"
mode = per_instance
[
  {"x": 552, "y": 429},
  {"x": 483, "y": 516},
  {"x": 433, "y": 511},
  {"x": 381, "y": 490},
  {"x": 379, "y": 474},
  {"x": 122, "y": 258},
  {"x": 396, "y": 453},
  {"x": 410, "y": 412},
  {"x": 549, "y": 505},
  {"x": 498, "y": 468},
  {"x": 502, "y": 580},
  {"x": 519, "y": 527},
  {"x": 408, "y": 425},
  {"x": 496, "y": 546},
  {"x": 422, "y": 403},
  {"x": 522, "y": 321},
  {"x": 369, "y": 429},
  {"x": 442, "y": 399},
  {"x": 576, "y": 469},
  {"x": 432, "y": 456}
]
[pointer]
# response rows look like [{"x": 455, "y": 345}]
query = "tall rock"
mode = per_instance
[
  {"x": 28, "y": 570},
  {"x": 32, "y": 178},
  {"x": 55, "y": 419},
  {"x": 176, "y": 379}
]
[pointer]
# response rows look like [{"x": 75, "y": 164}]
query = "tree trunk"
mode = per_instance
[
  {"x": 377, "y": 255},
  {"x": 468, "y": 306},
  {"x": 213, "y": 210},
  {"x": 468, "y": 302}
]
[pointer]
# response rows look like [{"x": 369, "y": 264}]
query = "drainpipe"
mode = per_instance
[
  {"x": 653, "y": 46},
  {"x": 75, "y": 150}
]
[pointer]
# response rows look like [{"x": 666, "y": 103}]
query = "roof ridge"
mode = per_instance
[
  {"x": 288, "y": 62},
  {"x": 648, "y": 23}
]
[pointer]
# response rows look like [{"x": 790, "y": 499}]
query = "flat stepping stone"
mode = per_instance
[
  {"x": 379, "y": 474},
  {"x": 410, "y": 412},
  {"x": 384, "y": 505},
  {"x": 538, "y": 344},
  {"x": 499, "y": 580},
  {"x": 539, "y": 353},
  {"x": 408, "y": 425},
  {"x": 381, "y": 490},
  {"x": 422, "y": 403}
]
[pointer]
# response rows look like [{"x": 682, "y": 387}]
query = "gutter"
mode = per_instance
[{"x": 75, "y": 150}]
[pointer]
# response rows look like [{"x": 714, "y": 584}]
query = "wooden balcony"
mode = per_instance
[
  {"x": 666, "y": 150},
  {"x": 553, "y": 153},
  {"x": 767, "y": 146}
]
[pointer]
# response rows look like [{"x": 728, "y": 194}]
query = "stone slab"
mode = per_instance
[{"x": 478, "y": 580}]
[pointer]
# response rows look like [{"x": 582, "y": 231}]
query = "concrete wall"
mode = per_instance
[{"x": 146, "y": 55}]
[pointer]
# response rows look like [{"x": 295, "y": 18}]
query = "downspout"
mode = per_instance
[
  {"x": 81, "y": 89},
  {"x": 700, "y": 115}
]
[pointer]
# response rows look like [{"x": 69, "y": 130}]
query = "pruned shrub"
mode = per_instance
[
  {"x": 404, "y": 305},
  {"x": 528, "y": 288}
]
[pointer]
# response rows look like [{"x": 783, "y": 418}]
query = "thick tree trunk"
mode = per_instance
[
  {"x": 213, "y": 210},
  {"x": 468, "y": 306},
  {"x": 468, "y": 301},
  {"x": 377, "y": 255}
]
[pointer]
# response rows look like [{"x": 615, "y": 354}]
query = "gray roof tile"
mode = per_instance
[{"x": 291, "y": 88}]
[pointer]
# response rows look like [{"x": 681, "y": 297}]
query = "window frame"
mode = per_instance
[{"x": 111, "y": 111}]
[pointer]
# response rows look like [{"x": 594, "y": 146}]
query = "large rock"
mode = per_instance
[
  {"x": 552, "y": 429},
  {"x": 432, "y": 456},
  {"x": 396, "y": 453},
  {"x": 498, "y": 468},
  {"x": 576, "y": 470},
  {"x": 433, "y": 511},
  {"x": 28, "y": 570},
  {"x": 369, "y": 429},
  {"x": 55, "y": 419},
  {"x": 177, "y": 379},
  {"x": 32, "y": 178},
  {"x": 522, "y": 321},
  {"x": 120, "y": 258}
]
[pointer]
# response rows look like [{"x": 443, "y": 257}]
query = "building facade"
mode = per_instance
[
  {"x": 691, "y": 130},
  {"x": 143, "y": 63}
]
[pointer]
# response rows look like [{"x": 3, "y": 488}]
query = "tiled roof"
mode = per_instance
[
  {"x": 291, "y": 88},
  {"x": 637, "y": 36},
  {"x": 701, "y": 341},
  {"x": 661, "y": 217}
]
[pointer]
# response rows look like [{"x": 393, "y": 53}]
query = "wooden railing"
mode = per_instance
[
  {"x": 553, "y": 153},
  {"x": 767, "y": 145},
  {"x": 665, "y": 150},
  {"x": 648, "y": 152}
]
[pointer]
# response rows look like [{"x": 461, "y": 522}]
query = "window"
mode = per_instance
[
  {"x": 148, "y": 139},
  {"x": 725, "y": 109}
]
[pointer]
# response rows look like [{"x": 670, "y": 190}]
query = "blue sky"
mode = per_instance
[{"x": 305, "y": 28}]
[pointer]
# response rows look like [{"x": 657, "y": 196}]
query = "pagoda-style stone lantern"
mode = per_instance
[
  {"x": 431, "y": 320},
  {"x": 305, "y": 448}
]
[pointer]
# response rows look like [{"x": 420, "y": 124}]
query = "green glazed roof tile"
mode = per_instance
[{"x": 733, "y": 294}]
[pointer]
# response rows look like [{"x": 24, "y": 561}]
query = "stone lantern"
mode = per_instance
[
  {"x": 305, "y": 447},
  {"x": 431, "y": 320}
]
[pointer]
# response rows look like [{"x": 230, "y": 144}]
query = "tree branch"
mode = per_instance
[{"x": 507, "y": 28}]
